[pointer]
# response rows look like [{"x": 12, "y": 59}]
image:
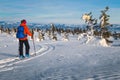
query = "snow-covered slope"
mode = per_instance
[{"x": 60, "y": 60}]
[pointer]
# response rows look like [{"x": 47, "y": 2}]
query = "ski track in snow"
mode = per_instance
[{"x": 8, "y": 64}]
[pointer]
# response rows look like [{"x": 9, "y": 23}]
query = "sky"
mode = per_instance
[{"x": 57, "y": 11}]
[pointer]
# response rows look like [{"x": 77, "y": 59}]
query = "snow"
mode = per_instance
[{"x": 79, "y": 58}]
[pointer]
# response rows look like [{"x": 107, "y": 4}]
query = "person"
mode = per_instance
[{"x": 24, "y": 40}]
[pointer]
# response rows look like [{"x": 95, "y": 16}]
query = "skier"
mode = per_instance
[{"x": 22, "y": 33}]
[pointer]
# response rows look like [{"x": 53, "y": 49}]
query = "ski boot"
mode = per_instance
[
  {"x": 27, "y": 55},
  {"x": 21, "y": 57}
]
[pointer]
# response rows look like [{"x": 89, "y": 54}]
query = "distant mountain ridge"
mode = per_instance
[{"x": 8, "y": 24}]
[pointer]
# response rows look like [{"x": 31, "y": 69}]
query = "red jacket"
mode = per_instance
[{"x": 26, "y": 31}]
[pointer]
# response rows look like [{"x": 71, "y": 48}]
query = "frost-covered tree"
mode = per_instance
[
  {"x": 104, "y": 18},
  {"x": 90, "y": 24},
  {"x": 54, "y": 37},
  {"x": 53, "y": 34},
  {"x": 89, "y": 21},
  {"x": 53, "y": 29},
  {"x": 8, "y": 30},
  {"x": 104, "y": 22},
  {"x": 65, "y": 36},
  {"x": 40, "y": 36},
  {"x": 13, "y": 31}
]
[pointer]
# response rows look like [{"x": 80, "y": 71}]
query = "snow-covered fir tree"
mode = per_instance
[
  {"x": 40, "y": 36},
  {"x": 90, "y": 24},
  {"x": 65, "y": 36},
  {"x": 53, "y": 34},
  {"x": 104, "y": 18}
]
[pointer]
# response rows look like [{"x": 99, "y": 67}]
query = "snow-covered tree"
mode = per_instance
[
  {"x": 89, "y": 21},
  {"x": 40, "y": 36},
  {"x": 53, "y": 29},
  {"x": 65, "y": 37},
  {"x": 90, "y": 24},
  {"x": 54, "y": 37},
  {"x": 13, "y": 32},
  {"x": 104, "y": 18}
]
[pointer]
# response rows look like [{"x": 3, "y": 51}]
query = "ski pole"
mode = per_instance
[
  {"x": 34, "y": 47},
  {"x": 34, "y": 43}
]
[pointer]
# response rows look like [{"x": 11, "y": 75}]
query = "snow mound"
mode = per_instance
[
  {"x": 96, "y": 41},
  {"x": 103, "y": 43}
]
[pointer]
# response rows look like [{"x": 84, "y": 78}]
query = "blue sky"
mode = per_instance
[{"x": 57, "y": 11}]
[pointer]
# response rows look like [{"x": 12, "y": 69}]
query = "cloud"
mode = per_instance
[{"x": 53, "y": 10}]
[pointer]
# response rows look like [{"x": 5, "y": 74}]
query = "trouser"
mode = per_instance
[{"x": 27, "y": 47}]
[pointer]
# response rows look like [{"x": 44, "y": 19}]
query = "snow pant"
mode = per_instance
[{"x": 27, "y": 47}]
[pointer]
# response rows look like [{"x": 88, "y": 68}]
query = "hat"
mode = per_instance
[{"x": 23, "y": 21}]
